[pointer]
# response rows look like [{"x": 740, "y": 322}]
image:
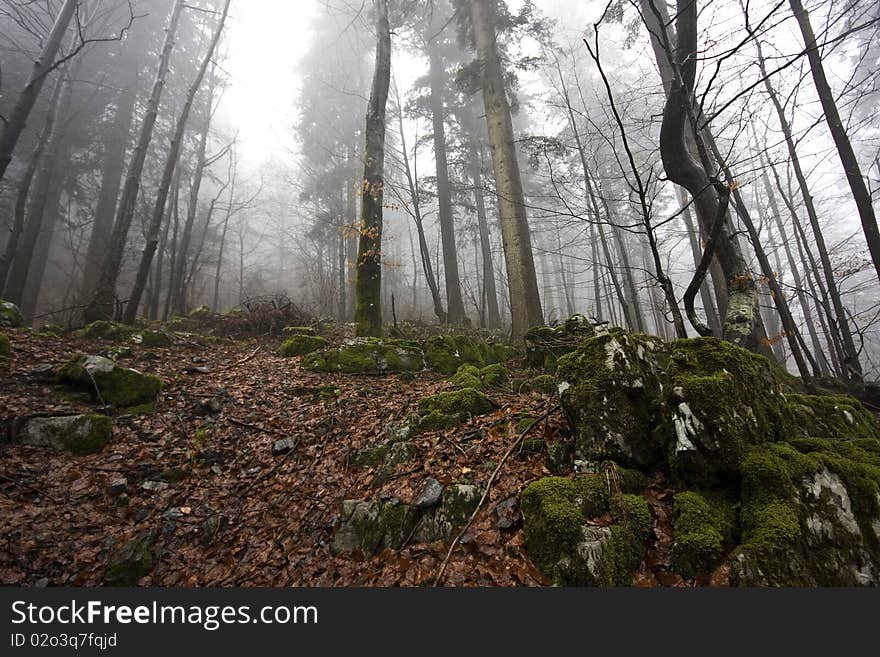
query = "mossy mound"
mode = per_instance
[
  {"x": 835, "y": 417},
  {"x": 300, "y": 345},
  {"x": 568, "y": 549},
  {"x": 102, "y": 378},
  {"x": 471, "y": 376},
  {"x": 5, "y": 346},
  {"x": 704, "y": 528},
  {"x": 298, "y": 330},
  {"x": 151, "y": 338},
  {"x": 544, "y": 384},
  {"x": 545, "y": 344},
  {"x": 369, "y": 355},
  {"x": 460, "y": 404},
  {"x": 78, "y": 434},
  {"x": 10, "y": 315},
  {"x": 105, "y": 330},
  {"x": 446, "y": 353}
]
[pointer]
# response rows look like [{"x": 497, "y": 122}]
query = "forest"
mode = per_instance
[{"x": 440, "y": 293}]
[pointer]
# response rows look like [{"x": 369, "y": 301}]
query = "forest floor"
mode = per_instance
[{"x": 272, "y": 516}]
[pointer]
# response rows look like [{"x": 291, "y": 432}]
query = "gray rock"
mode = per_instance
[
  {"x": 10, "y": 315},
  {"x": 134, "y": 561},
  {"x": 430, "y": 495},
  {"x": 508, "y": 513},
  {"x": 117, "y": 487},
  {"x": 43, "y": 372},
  {"x": 283, "y": 446},
  {"x": 154, "y": 486},
  {"x": 78, "y": 434},
  {"x": 370, "y": 527}
]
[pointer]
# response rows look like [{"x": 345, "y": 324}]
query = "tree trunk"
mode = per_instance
[
  {"x": 101, "y": 304},
  {"x": 696, "y": 251},
  {"x": 15, "y": 124},
  {"x": 111, "y": 181},
  {"x": 454, "y": 303},
  {"x": 525, "y": 301},
  {"x": 171, "y": 162},
  {"x": 368, "y": 285},
  {"x": 854, "y": 177},
  {"x": 215, "y": 302}
]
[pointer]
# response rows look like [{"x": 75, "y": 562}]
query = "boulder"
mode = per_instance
[
  {"x": 77, "y": 434},
  {"x": 545, "y": 344},
  {"x": 300, "y": 345},
  {"x": 118, "y": 386},
  {"x": 369, "y": 355},
  {"x": 446, "y": 353},
  {"x": 10, "y": 315},
  {"x": 446, "y": 409},
  {"x": 134, "y": 561}
]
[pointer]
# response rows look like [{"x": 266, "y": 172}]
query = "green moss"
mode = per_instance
[
  {"x": 105, "y": 330},
  {"x": 546, "y": 344},
  {"x": 135, "y": 561},
  {"x": 467, "y": 376},
  {"x": 89, "y": 435},
  {"x": 457, "y": 403},
  {"x": 120, "y": 386},
  {"x": 446, "y": 353},
  {"x": 369, "y": 355},
  {"x": 835, "y": 417},
  {"x": 544, "y": 384},
  {"x": 300, "y": 345},
  {"x": 10, "y": 315},
  {"x": 703, "y": 529},
  {"x": 150, "y": 338},
  {"x": 370, "y": 457},
  {"x": 298, "y": 330},
  {"x": 5, "y": 346},
  {"x": 560, "y": 457},
  {"x": 525, "y": 424},
  {"x": 494, "y": 375}
]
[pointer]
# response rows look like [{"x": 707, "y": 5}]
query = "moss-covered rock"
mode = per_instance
[
  {"x": 703, "y": 530},
  {"x": 446, "y": 353},
  {"x": 494, "y": 376},
  {"x": 151, "y": 338},
  {"x": 457, "y": 504},
  {"x": 459, "y": 404},
  {"x": 834, "y": 417},
  {"x": 572, "y": 552},
  {"x": 298, "y": 330},
  {"x": 78, "y": 434},
  {"x": 300, "y": 345},
  {"x": 5, "y": 346},
  {"x": 544, "y": 384},
  {"x": 611, "y": 392},
  {"x": 106, "y": 330},
  {"x": 369, "y": 355},
  {"x": 10, "y": 315},
  {"x": 118, "y": 386},
  {"x": 370, "y": 527},
  {"x": 545, "y": 344},
  {"x": 134, "y": 561}
]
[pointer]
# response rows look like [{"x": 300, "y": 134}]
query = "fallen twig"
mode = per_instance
[
  {"x": 246, "y": 358},
  {"x": 485, "y": 496},
  {"x": 247, "y": 425}
]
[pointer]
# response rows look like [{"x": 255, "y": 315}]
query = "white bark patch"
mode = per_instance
[{"x": 612, "y": 348}]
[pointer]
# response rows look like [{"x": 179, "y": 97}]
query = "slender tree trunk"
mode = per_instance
[
  {"x": 21, "y": 199},
  {"x": 368, "y": 305},
  {"x": 171, "y": 162},
  {"x": 525, "y": 301},
  {"x": 156, "y": 293},
  {"x": 172, "y": 265},
  {"x": 697, "y": 253},
  {"x": 15, "y": 124},
  {"x": 594, "y": 252},
  {"x": 101, "y": 305},
  {"x": 215, "y": 303},
  {"x": 854, "y": 177},
  {"x": 52, "y": 215},
  {"x": 454, "y": 303},
  {"x": 111, "y": 181}
]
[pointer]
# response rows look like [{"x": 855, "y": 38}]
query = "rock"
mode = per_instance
[
  {"x": 703, "y": 531},
  {"x": 369, "y": 355},
  {"x": 10, "y": 315},
  {"x": 134, "y": 561},
  {"x": 117, "y": 487},
  {"x": 300, "y": 345},
  {"x": 508, "y": 513},
  {"x": 457, "y": 503},
  {"x": 105, "y": 330},
  {"x": 150, "y": 338},
  {"x": 154, "y": 486},
  {"x": 43, "y": 372},
  {"x": 568, "y": 549},
  {"x": 298, "y": 330},
  {"x": 119, "y": 386},
  {"x": 210, "y": 406},
  {"x": 370, "y": 527},
  {"x": 430, "y": 495},
  {"x": 545, "y": 344},
  {"x": 446, "y": 409},
  {"x": 5, "y": 346},
  {"x": 446, "y": 353},
  {"x": 211, "y": 527},
  {"x": 77, "y": 434},
  {"x": 283, "y": 446}
]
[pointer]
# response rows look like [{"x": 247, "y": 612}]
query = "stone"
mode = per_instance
[
  {"x": 153, "y": 486},
  {"x": 369, "y": 527},
  {"x": 78, "y": 434},
  {"x": 134, "y": 561},
  {"x": 283, "y": 446},
  {"x": 300, "y": 345},
  {"x": 368, "y": 355},
  {"x": 210, "y": 406},
  {"x": 508, "y": 513},
  {"x": 104, "y": 379},
  {"x": 43, "y": 372},
  {"x": 430, "y": 494},
  {"x": 10, "y": 315},
  {"x": 117, "y": 487}
]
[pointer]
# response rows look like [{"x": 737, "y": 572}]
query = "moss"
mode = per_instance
[
  {"x": 298, "y": 330},
  {"x": 10, "y": 315},
  {"x": 135, "y": 561},
  {"x": 555, "y": 510},
  {"x": 118, "y": 386},
  {"x": 703, "y": 529},
  {"x": 88, "y": 435},
  {"x": 105, "y": 330},
  {"x": 494, "y": 375},
  {"x": 150, "y": 338},
  {"x": 467, "y": 376},
  {"x": 546, "y": 344},
  {"x": 437, "y": 421},
  {"x": 446, "y": 353},
  {"x": 369, "y": 355},
  {"x": 370, "y": 456},
  {"x": 300, "y": 345},
  {"x": 560, "y": 457},
  {"x": 458, "y": 403},
  {"x": 525, "y": 424},
  {"x": 544, "y": 384},
  {"x": 835, "y": 417},
  {"x": 5, "y": 346}
]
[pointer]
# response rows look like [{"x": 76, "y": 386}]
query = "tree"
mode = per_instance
[
  {"x": 525, "y": 300},
  {"x": 368, "y": 284}
]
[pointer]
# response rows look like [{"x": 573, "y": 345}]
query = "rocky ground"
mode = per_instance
[{"x": 341, "y": 465}]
